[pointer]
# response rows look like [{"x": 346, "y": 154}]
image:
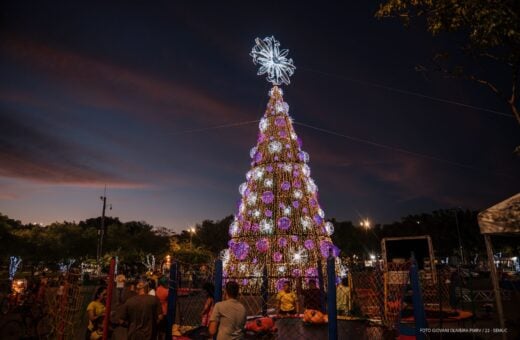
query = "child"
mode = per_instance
[
  {"x": 287, "y": 300},
  {"x": 208, "y": 305},
  {"x": 98, "y": 329}
]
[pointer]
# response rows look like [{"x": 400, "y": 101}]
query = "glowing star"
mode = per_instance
[
  {"x": 329, "y": 228},
  {"x": 266, "y": 226},
  {"x": 251, "y": 199},
  {"x": 306, "y": 222},
  {"x": 281, "y": 107},
  {"x": 252, "y": 152},
  {"x": 242, "y": 188},
  {"x": 264, "y": 124},
  {"x": 233, "y": 228},
  {"x": 258, "y": 173},
  {"x": 287, "y": 211},
  {"x": 275, "y": 147},
  {"x": 281, "y": 269},
  {"x": 293, "y": 136},
  {"x": 268, "y": 183},
  {"x": 287, "y": 167},
  {"x": 311, "y": 186},
  {"x": 297, "y": 194},
  {"x": 272, "y": 61},
  {"x": 224, "y": 256},
  {"x": 256, "y": 213},
  {"x": 306, "y": 170},
  {"x": 298, "y": 255},
  {"x": 304, "y": 156}
]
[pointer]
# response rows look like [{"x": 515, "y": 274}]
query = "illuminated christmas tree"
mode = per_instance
[{"x": 279, "y": 223}]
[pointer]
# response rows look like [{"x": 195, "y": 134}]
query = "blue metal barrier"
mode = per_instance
[
  {"x": 172, "y": 299},
  {"x": 331, "y": 298}
]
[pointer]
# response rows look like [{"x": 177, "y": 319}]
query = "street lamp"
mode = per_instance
[
  {"x": 365, "y": 223},
  {"x": 191, "y": 231}
]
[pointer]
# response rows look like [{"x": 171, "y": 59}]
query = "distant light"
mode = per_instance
[
  {"x": 372, "y": 257},
  {"x": 365, "y": 223}
]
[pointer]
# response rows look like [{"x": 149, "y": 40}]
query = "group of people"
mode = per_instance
[
  {"x": 288, "y": 303},
  {"x": 142, "y": 306},
  {"x": 138, "y": 314}
]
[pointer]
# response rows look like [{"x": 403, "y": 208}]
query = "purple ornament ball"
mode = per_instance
[
  {"x": 308, "y": 244},
  {"x": 262, "y": 245},
  {"x": 267, "y": 197},
  {"x": 284, "y": 223}
]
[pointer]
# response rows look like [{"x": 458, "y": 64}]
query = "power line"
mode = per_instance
[
  {"x": 352, "y": 138},
  {"x": 223, "y": 126},
  {"x": 395, "y": 149},
  {"x": 415, "y": 94}
]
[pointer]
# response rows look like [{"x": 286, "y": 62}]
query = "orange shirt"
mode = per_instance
[{"x": 162, "y": 294}]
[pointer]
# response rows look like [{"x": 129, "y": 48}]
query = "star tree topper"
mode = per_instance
[{"x": 272, "y": 60}]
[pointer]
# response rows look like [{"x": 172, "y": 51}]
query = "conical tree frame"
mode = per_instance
[{"x": 279, "y": 222}]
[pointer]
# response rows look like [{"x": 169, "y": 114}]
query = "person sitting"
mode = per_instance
[
  {"x": 208, "y": 305},
  {"x": 95, "y": 309},
  {"x": 98, "y": 328},
  {"x": 287, "y": 300},
  {"x": 312, "y": 297}
]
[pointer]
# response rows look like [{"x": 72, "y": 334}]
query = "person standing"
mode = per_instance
[
  {"x": 142, "y": 313},
  {"x": 151, "y": 287},
  {"x": 95, "y": 309},
  {"x": 120, "y": 286},
  {"x": 228, "y": 318},
  {"x": 312, "y": 297},
  {"x": 343, "y": 297},
  {"x": 162, "y": 294},
  {"x": 287, "y": 300}
]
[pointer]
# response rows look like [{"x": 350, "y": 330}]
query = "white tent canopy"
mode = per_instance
[{"x": 502, "y": 218}]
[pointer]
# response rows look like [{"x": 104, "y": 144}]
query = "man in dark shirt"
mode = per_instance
[
  {"x": 312, "y": 297},
  {"x": 142, "y": 312}
]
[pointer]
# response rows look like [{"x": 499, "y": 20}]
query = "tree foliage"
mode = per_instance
[
  {"x": 213, "y": 235},
  {"x": 487, "y": 32},
  {"x": 62, "y": 240}
]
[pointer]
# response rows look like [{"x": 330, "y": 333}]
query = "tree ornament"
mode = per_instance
[{"x": 273, "y": 61}]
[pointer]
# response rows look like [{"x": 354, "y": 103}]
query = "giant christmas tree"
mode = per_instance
[{"x": 279, "y": 224}]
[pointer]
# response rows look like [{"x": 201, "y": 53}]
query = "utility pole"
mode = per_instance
[
  {"x": 461, "y": 252},
  {"x": 101, "y": 230}
]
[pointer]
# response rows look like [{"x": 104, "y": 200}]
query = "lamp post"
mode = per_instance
[
  {"x": 365, "y": 223},
  {"x": 191, "y": 231}
]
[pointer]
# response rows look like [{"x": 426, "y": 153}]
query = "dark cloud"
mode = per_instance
[{"x": 36, "y": 153}]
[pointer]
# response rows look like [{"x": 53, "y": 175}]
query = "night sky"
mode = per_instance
[{"x": 127, "y": 94}]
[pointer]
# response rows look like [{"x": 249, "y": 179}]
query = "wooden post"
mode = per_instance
[{"x": 494, "y": 280}]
